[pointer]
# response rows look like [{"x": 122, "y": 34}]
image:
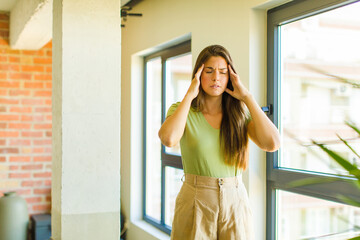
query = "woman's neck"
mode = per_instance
[{"x": 212, "y": 105}]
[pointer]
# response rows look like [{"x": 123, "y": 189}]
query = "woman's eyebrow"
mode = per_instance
[{"x": 219, "y": 68}]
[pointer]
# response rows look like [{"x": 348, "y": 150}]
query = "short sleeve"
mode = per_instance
[{"x": 172, "y": 109}]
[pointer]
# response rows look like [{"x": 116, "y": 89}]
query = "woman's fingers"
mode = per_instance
[
  {"x": 199, "y": 71},
  {"x": 232, "y": 73},
  {"x": 193, "y": 90},
  {"x": 229, "y": 91},
  {"x": 239, "y": 89}
]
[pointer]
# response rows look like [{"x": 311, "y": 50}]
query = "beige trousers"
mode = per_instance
[{"x": 212, "y": 208}]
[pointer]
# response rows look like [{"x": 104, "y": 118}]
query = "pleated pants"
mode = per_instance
[{"x": 212, "y": 208}]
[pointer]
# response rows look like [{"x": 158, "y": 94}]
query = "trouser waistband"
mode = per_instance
[{"x": 211, "y": 181}]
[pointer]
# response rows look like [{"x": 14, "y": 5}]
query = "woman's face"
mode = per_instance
[{"x": 215, "y": 76}]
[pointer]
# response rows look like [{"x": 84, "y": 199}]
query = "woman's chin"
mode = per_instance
[{"x": 214, "y": 93}]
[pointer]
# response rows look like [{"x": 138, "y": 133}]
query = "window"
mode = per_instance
[
  {"x": 167, "y": 78},
  {"x": 314, "y": 87}
]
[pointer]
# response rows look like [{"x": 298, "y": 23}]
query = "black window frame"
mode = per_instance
[
  {"x": 277, "y": 178},
  {"x": 167, "y": 160}
]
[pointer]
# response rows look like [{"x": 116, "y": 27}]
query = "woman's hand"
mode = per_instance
[
  {"x": 239, "y": 92},
  {"x": 173, "y": 127},
  {"x": 193, "y": 90},
  {"x": 260, "y": 128}
]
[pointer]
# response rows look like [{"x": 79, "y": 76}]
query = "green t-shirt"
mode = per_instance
[{"x": 200, "y": 147}]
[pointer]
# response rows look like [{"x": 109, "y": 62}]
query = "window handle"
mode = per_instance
[{"x": 268, "y": 109}]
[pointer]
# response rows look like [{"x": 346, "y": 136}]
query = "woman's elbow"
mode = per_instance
[
  {"x": 165, "y": 140},
  {"x": 168, "y": 143},
  {"x": 273, "y": 145},
  {"x": 272, "y": 148}
]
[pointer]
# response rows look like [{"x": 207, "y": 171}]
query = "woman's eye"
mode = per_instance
[
  {"x": 223, "y": 72},
  {"x": 209, "y": 72}
]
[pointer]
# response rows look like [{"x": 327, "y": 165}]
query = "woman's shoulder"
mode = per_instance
[
  {"x": 172, "y": 109},
  {"x": 174, "y": 106}
]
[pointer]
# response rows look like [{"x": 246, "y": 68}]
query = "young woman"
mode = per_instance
[{"x": 212, "y": 124}]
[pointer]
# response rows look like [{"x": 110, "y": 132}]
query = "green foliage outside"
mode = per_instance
[{"x": 350, "y": 167}]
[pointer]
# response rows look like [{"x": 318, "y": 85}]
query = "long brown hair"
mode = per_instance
[{"x": 233, "y": 128}]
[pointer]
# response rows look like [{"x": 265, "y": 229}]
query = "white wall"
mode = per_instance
[{"x": 240, "y": 26}]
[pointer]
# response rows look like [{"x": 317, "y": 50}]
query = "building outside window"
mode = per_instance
[
  {"x": 167, "y": 78},
  {"x": 314, "y": 86}
]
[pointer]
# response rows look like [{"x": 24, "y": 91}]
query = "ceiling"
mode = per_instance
[{"x": 7, "y": 5}]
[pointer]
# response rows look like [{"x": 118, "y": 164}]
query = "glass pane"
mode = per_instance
[
  {"x": 302, "y": 217},
  {"x": 153, "y": 144},
  {"x": 173, "y": 184},
  {"x": 320, "y": 88},
  {"x": 178, "y": 79}
]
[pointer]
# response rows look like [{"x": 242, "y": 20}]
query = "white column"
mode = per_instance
[{"x": 86, "y": 119}]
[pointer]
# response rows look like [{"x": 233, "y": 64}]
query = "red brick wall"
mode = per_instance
[{"x": 25, "y": 121}]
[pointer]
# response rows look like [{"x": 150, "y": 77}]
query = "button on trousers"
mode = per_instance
[{"x": 212, "y": 208}]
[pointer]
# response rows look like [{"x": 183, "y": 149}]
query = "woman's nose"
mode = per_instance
[{"x": 216, "y": 76}]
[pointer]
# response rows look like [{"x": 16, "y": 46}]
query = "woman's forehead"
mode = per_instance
[{"x": 216, "y": 61}]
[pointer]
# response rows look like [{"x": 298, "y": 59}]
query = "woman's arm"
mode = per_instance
[
  {"x": 260, "y": 129},
  {"x": 173, "y": 127}
]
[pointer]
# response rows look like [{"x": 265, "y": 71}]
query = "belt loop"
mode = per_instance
[
  {"x": 195, "y": 180},
  {"x": 220, "y": 181}
]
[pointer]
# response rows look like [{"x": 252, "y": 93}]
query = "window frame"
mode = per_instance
[
  {"x": 277, "y": 178},
  {"x": 167, "y": 160}
]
